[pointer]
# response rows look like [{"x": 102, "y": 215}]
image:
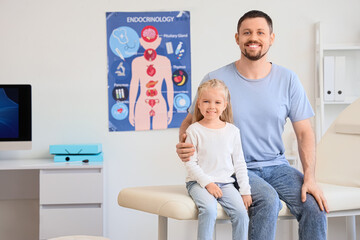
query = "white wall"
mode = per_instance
[{"x": 59, "y": 46}]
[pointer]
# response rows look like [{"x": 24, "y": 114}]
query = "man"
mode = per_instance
[{"x": 263, "y": 96}]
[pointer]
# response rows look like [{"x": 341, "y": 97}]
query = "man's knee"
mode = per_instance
[
  {"x": 266, "y": 201},
  {"x": 312, "y": 221},
  {"x": 269, "y": 205},
  {"x": 312, "y": 210},
  {"x": 271, "y": 200}
]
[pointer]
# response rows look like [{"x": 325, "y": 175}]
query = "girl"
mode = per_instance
[{"x": 218, "y": 154}]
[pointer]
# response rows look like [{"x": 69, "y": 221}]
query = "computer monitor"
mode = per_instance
[{"x": 15, "y": 117}]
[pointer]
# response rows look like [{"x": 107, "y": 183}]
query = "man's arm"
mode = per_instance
[
  {"x": 184, "y": 125},
  {"x": 306, "y": 146},
  {"x": 184, "y": 150}
]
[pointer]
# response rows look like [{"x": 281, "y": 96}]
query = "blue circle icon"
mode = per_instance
[
  {"x": 119, "y": 111},
  {"x": 124, "y": 42},
  {"x": 181, "y": 102}
]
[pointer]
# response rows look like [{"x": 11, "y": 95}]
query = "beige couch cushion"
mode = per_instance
[
  {"x": 170, "y": 201},
  {"x": 338, "y": 160},
  {"x": 341, "y": 198},
  {"x": 174, "y": 201},
  {"x": 348, "y": 122}
]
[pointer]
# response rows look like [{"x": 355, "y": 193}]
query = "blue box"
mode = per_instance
[
  {"x": 79, "y": 158},
  {"x": 75, "y": 149}
]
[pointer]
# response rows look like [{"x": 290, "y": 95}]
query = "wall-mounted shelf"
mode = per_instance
[
  {"x": 339, "y": 47},
  {"x": 327, "y": 110}
]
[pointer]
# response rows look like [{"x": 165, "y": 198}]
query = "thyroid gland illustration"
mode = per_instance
[{"x": 149, "y": 73}]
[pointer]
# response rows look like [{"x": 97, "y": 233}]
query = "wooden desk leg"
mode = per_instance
[
  {"x": 162, "y": 228},
  {"x": 350, "y": 228}
]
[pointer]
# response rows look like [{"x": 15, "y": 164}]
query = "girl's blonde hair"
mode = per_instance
[{"x": 227, "y": 115}]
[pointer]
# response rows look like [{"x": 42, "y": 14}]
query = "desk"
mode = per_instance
[{"x": 67, "y": 199}]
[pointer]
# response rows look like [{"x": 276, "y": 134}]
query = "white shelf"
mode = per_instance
[
  {"x": 28, "y": 164},
  {"x": 340, "y": 47},
  {"x": 327, "y": 111},
  {"x": 347, "y": 101},
  {"x": 338, "y": 103}
]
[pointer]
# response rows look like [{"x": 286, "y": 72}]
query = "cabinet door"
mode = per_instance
[
  {"x": 71, "y": 186},
  {"x": 70, "y": 220}
]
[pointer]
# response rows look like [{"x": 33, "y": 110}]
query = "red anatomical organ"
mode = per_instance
[{"x": 151, "y": 70}]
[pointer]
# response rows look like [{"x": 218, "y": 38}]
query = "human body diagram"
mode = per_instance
[{"x": 149, "y": 73}]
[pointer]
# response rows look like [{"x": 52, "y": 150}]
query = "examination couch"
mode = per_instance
[{"x": 337, "y": 172}]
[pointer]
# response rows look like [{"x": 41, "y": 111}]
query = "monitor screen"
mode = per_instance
[{"x": 15, "y": 117}]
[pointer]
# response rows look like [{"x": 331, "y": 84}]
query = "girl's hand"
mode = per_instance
[
  {"x": 214, "y": 190},
  {"x": 247, "y": 201}
]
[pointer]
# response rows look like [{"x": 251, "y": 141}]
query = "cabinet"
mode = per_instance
[
  {"x": 70, "y": 202},
  {"x": 336, "y": 67},
  {"x": 45, "y": 199}
]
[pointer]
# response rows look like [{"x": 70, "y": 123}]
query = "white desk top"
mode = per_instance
[{"x": 28, "y": 164}]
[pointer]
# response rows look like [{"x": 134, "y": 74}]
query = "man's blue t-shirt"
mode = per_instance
[{"x": 260, "y": 108}]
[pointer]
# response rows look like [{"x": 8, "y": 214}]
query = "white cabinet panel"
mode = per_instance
[
  {"x": 70, "y": 220},
  {"x": 71, "y": 186},
  {"x": 71, "y": 202}
]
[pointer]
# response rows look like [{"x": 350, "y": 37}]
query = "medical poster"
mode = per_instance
[{"x": 149, "y": 69}]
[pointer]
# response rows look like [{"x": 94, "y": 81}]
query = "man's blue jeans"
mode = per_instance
[
  {"x": 231, "y": 202},
  {"x": 268, "y": 186}
]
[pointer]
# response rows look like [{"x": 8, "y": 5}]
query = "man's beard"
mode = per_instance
[{"x": 254, "y": 57}]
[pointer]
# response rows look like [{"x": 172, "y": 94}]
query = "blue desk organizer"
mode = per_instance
[{"x": 77, "y": 153}]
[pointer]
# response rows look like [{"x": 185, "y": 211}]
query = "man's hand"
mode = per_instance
[
  {"x": 214, "y": 190},
  {"x": 184, "y": 150},
  {"x": 247, "y": 199},
  {"x": 312, "y": 188},
  {"x": 306, "y": 142}
]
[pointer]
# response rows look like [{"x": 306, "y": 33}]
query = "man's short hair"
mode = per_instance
[{"x": 256, "y": 14}]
